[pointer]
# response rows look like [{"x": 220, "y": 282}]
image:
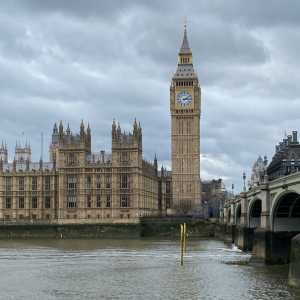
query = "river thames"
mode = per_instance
[{"x": 135, "y": 269}]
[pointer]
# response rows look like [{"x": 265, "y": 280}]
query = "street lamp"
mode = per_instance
[{"x": 244, "y": 179}]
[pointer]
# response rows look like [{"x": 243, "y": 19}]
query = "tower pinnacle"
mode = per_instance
[
  {"x": 185, "y": 47},
  {"x": 185, "y": 56}
]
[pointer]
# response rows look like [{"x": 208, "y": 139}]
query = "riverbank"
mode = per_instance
[{"x": 147, "y": 227}]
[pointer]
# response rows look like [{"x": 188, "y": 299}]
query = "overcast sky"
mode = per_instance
[{"x": 99, "y": 60}]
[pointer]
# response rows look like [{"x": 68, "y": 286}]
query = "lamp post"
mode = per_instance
[{"x": 244, "y": 179}]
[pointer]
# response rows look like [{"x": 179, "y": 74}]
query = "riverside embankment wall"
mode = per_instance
[{"x": 148, "y": 227}]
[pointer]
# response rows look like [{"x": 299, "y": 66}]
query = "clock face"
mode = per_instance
[{"x": 184, "y": 98}]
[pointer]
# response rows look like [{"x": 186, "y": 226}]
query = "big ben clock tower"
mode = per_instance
[{"x": 185, "y": 103}]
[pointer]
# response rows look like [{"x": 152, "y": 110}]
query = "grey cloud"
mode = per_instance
[{"x": 96, "y": 61}]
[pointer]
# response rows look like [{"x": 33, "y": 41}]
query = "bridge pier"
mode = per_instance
[
  {"x": 272, "y": 247},
  {"x": 243, "y": 238},
  {"x": 294, "y": 273}
]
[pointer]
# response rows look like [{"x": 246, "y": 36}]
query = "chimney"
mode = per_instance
[{"x": 295, "y": 140}]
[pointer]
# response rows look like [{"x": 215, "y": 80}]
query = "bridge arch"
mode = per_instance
[
  {"x": 238, "y": 213},
  {"x": 254, "y": 213},
  {"x": 285, "y": 213}
]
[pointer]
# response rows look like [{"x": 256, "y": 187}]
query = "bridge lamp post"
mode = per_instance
[{"x": 244, "y": 180}]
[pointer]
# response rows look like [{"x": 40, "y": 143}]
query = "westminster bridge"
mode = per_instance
[{"x": 265, "y": 219}]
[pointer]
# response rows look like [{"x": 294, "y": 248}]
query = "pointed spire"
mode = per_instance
[
  {"x": 88, "y": 130},
  {"x": 114, "y": 130},
  {"x": 119, "y": 130},
  {"x": 155, "y": 164},
  {"x": 61, "y": 128},
  {"x": 68, "y": 131},
  {"x": 14, "y": 164},
  {"x": 135, "y": 128},
  {"x": 82, "y": 129},
  {"x": 185, "y": 47},
  {"x": 55, "y": 131},
  {"x": 162, "y": 170}
]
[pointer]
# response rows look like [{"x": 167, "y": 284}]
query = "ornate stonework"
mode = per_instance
[
  {"x": 78, "y": 186},
  {"x": 185, "y": 103}
]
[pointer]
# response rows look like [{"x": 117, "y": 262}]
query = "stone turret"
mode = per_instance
[
  {"x": 114, "y": 130},
  {"x": 22, "y": 153},
  {"x": 67, "y": 140},
  {"x": 88, "y": 138},
  {"x": 130, "y": 138},
  {"x": 155, "y": 165},
  {"x": 3, "y": 152},
  {"x": 55, "y": 134},
  {"x": 82, "y": 132}
]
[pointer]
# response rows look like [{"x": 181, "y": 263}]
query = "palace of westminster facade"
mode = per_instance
[{"x": 78, "y": 186}]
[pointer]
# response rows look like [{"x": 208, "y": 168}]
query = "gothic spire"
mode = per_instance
[
  {"x": 82, "y": 129},
  {"x": 68, "y": 131},
  {"x": 185, "y": 47},
  {"x": 55, "y": 131},
  {"x": 61, "y": 128}
]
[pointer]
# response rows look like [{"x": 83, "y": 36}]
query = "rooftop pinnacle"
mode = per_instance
[{"x": 185, "y": 47}]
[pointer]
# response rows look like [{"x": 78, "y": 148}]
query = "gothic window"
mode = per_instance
[
  {"x": 71, "y": 202},
  {"x": 98, "y": 182},
  {"x": 21, "y": 202},
  {"x": 47, "y": 183},
  {"x": 34, "y": 183},
  {"x": 107, "y": 181},
  {"x": 71, "y": 186},
  {"x": 47, "y": 202},
  {"x": 72, "y": 183},
  {"x": 21, "y": 183},
  {"x": 8, "y": 202},
  {"x": 124, "y": 201},
  {"x": 124, "y": 181},
  {"x": 89, "y": 201},
  {"x": 108, "y": 201},
  {"x": 124, "y": 156},
  {"x": 34, "y": 203},
  {"x": 98, "y": 200},
  {"x": 71, "y": 159},
  {"x": 88, "y": 182},
  {"x": 8, "y": 184}
]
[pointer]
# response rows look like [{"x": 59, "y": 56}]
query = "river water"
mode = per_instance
[{"x": 134, "y": 269}]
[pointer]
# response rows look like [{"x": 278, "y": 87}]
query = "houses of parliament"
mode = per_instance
[{"x": 78, "y": 186}]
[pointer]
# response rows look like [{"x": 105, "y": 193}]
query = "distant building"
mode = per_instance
[
  {"x": 213, "y": 197},
  {"x": 286, "y": 159}
]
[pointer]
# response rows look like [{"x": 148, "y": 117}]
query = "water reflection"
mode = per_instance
[{"x": 134, "y": 269}]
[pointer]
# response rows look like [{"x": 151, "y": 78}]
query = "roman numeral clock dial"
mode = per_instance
[{"x": 184, "y": 98}]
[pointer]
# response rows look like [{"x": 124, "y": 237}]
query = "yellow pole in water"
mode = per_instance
[
  {"x": 184, "y": 237},
  {"x": 181, "y": 244}
]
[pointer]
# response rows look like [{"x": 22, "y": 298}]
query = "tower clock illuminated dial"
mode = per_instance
[{"x": 184, "y": 98}]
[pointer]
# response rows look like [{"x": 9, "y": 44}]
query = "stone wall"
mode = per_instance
[
  {"x": 294, "y": 274},
  {"x": 148, "y": 227}
]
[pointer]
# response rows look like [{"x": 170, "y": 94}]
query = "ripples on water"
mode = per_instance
[{"x": 134, "y": 269}]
